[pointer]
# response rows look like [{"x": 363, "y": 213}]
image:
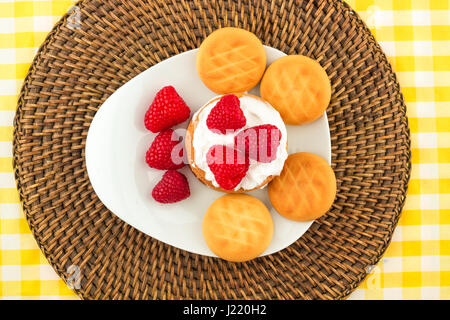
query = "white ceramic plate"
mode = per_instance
[{"x": 115, "y": 158}]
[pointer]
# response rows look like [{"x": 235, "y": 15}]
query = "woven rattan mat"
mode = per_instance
[{"x": 77, "y": 68}]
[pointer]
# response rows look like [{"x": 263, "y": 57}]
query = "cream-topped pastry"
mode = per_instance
[{"x": 256, "y": 172}]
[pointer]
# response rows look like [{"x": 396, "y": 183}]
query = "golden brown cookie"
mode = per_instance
[
  {"x": 298, "y": 87},
  {"x": 306, "y": 188},
  {"x": 231, "y": 60},
  {"x": 237, "y": 227}
]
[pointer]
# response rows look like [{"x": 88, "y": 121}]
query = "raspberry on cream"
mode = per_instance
[{"x": 257, "y": 112}]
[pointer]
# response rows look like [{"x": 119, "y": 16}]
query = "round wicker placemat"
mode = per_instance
[{"x": 77, "y": 68}]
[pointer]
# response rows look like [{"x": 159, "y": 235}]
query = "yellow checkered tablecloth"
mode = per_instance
[{"x": 415, "y": 35}]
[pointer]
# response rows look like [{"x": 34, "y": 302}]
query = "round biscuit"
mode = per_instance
[
  {"x": 231, "y": 60},
  {"x": 306, "y": 188},
  {"x": 237, "y": 227},
  {"x": 298, "y": 87}
]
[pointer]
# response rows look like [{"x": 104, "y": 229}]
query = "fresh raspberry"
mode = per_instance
[
  {"x": 228, "y": 165},
  {"x": 166, "y": 110},
  {"x": 166, "y": 151},
  {"x": 173, "y": 187},
  {"x": 259, "y": 143},
  {"x": 226, "y": 115}
]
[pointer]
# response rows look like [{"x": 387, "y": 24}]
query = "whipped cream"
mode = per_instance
[{"x": 257, "y": 112}]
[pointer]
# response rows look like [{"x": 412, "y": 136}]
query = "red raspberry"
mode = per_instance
[
  {"x": 259, "y": 143},
  {"x": 166, "y": 110},
  {"x": 173, "y": 187},
  {"x": 166, "y": 151},
  {"x": 228, "y": 165},
  {"x": 226, "y": 114}
]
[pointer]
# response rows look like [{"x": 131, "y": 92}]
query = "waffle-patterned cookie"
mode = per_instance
[
  {"x": 306, "y": 188},
  {"x": 237, "y": 227},
  {"x": 231, "y": 60},
  {"x": 298, "y": 87}
]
